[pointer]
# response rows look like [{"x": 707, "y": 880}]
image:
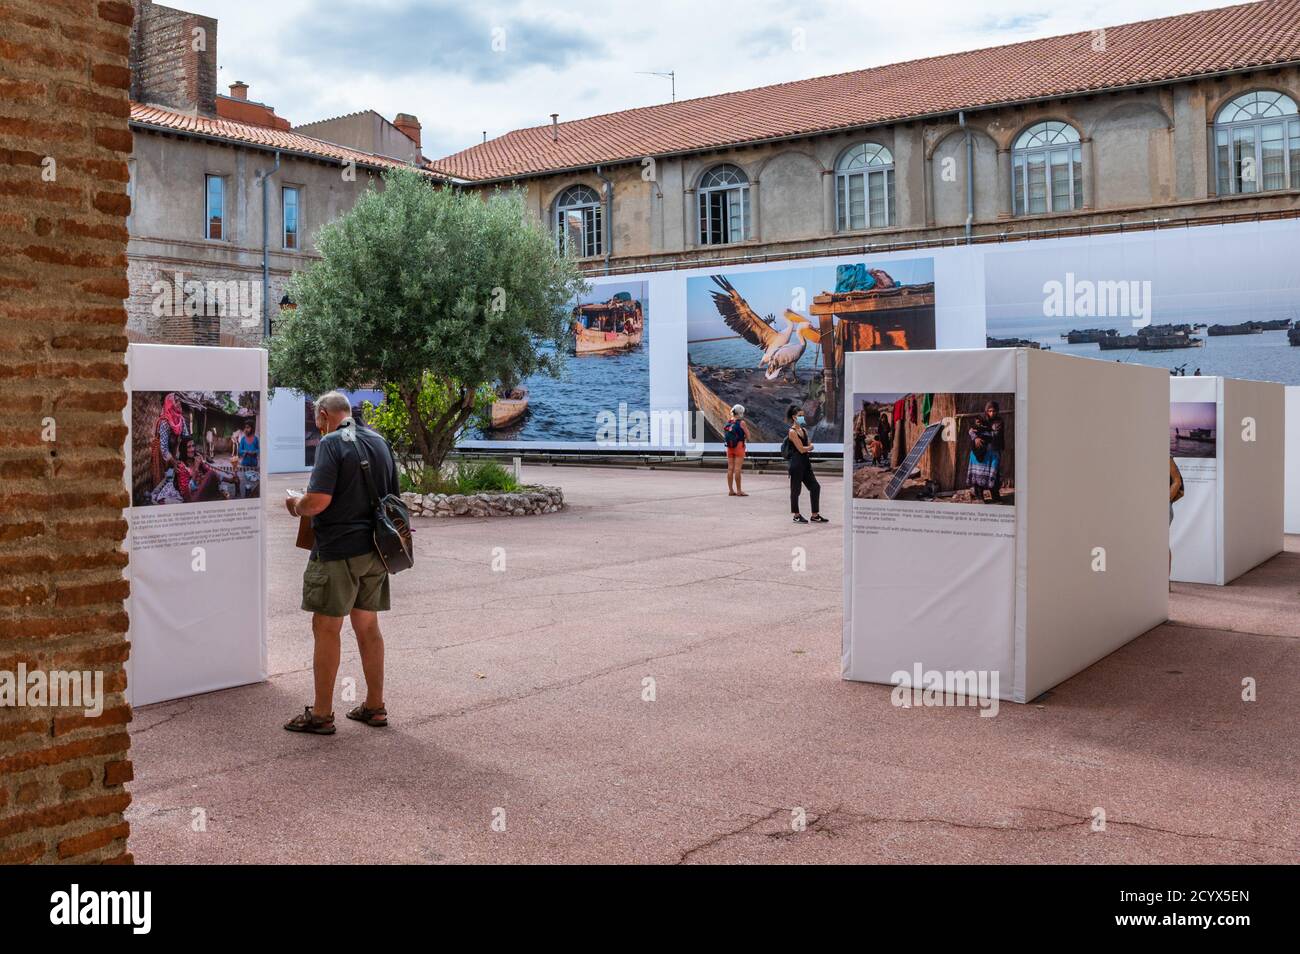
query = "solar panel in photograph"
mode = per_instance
[{"x": 909, "y": 462}]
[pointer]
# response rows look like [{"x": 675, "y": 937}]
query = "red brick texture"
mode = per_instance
[
  {"x": 173, "y": 57},
  {"x": 64, "y": 142}
]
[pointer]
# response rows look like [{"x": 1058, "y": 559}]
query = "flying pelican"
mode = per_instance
[
  {"x": 781, "y": 348},
  {"x": 786, "y": 354}
]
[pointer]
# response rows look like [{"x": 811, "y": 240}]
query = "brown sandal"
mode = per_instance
[
  {"x": 310, "y": 722},
  {"x": 377, "y": 717}
]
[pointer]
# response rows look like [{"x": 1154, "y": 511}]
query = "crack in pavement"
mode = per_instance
[
  {"x": 189, "y": 706},
  {"x": 834, "y": 822}
]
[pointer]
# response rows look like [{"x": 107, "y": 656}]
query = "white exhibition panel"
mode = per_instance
[
  {"x": 928, "y": 582},
  {"x": 1195, "y": 533},
  {"x": 286, "y": 436},
  {"x": 1035, "y": 591},
  {"x": 1254, "y": 436},
  {"x": 197, "y": 570},
  {"x": 1087, "y": 496},
  {"x": 1293, "y": 460},
  {"x": 1231, "y": 517}
]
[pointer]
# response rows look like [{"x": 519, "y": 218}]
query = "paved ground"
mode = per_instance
[{"x": 522, "y": 690}]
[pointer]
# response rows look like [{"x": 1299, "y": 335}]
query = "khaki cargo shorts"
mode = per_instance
[{"x": 337, "y": 587}]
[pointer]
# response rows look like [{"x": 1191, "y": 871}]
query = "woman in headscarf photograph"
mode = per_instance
[
  {"x": 984, "y": 469},
  {"x": 170, "y": 429}
]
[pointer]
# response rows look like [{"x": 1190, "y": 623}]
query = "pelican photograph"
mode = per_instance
[{"x": 773, "y": 339}]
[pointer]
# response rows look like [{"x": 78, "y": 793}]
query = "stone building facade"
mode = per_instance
[
  {"x": 1144, "y": 134},
  {"x": 218, "y": 279}
]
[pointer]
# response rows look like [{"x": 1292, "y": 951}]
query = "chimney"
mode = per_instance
[
  {"x": 173, "y": 59},
  {"x": 555, "y": 127},
  {"x": 239, "y": 90},
  {"x": 409, "y": 126}
]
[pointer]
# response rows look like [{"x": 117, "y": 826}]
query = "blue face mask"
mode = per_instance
[{"x": 800, "y": 420}]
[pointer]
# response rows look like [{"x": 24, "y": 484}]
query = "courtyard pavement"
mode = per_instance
[{"x": 517, "y": 696}]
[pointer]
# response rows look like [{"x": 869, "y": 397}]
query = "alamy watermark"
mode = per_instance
[
  {"x": 190, "y": 298},
  {"x": 659, "y": 430},
  {"x": 59, "y": 688},
  {"x": 922, "y": 688},
  {"x": 1085, "y": 298}
]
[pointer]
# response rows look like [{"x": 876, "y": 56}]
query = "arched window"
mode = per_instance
[
  {"x": 864, "y": 188},
  {"x": 724, "y": 206},
  {"x": 1257, "y": 144},
  {"x": 578, "y": 218},
  {"x": 1047, "y": 169}
]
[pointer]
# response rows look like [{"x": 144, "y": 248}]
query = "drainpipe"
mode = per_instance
[
  {"x": 970, "y": 174},
  {"x": 609, "y": 216},
  {"x": 266, "y": 247}
]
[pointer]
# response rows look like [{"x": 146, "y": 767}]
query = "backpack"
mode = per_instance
[
  {"x": 733, "y": 433},
  {"x": 392, "y": 519}
]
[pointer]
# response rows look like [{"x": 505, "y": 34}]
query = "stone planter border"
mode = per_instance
[{"x": 527, "y": 501}]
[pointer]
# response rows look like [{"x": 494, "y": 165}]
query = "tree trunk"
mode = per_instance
[{"x": 434, "y": 439}]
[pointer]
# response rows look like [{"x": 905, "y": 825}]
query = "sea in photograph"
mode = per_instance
[
  {"x": 1193, "y": 427},
  {"x": 1183, "y": 445},
  {"x": 736, "y": 352},
  {"x": 1265, "y": 356},
  {"x": 566, "y": 408}
]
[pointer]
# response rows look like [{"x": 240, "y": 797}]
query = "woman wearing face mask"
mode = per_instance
[{"x": 801, "y": 466}]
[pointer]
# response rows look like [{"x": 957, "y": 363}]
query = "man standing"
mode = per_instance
[{"x": 345, "y": 576}]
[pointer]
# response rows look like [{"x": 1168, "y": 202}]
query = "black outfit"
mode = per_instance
[
  {"x": 346, "y": 527},
  {"x": 801, "y": 473}
]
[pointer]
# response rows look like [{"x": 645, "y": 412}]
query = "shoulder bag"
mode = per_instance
[{"x": 392, "y": 520}]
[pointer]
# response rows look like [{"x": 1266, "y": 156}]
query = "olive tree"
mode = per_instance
[{"x": 434, "y": 295}]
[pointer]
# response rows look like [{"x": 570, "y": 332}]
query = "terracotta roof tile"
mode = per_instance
[
  {"x": 1193, "y": 44},
  {"x": 165, "y": 119}
]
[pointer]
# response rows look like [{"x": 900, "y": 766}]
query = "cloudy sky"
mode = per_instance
[{"x": 469, "y": 67}]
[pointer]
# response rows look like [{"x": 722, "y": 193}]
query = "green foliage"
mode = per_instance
[
  {"x": 432, "y": 294},
  {"x": 484, "y": 476},
  {"x": 464, "y": 477},
  {"x": 434, "y": 398}
]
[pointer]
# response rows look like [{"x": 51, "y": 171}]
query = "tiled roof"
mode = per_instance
[
  {"x": 1193, "y": 44},
  {"x": 155, "y": 117}
]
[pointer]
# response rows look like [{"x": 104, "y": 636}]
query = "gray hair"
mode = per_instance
[
  {"x": 334, "y": 402},
  {"x": 738, "y": 410}
]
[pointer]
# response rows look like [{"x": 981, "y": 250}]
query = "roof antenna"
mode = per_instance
[
  {"x": 671, "y": 76},
  {"x": 555, "y": 127},
  {"x": 485, "y": 135}
]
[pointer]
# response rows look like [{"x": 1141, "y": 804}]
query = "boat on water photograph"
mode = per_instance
[
  {"x": 613, "y": 325},
  {"x": 1210, "y": 305},
  {"x": 606, "y": 364},
  {"x": 1193, "y": 428}
]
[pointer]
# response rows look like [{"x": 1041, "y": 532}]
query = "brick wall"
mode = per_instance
[
  {"x": 64, "y": 142},
  {"x": 148, "y": 320},
  {"x": 174, "y": 59}
]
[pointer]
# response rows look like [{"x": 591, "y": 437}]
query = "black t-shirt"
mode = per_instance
[{"x": 346, "y": 527}]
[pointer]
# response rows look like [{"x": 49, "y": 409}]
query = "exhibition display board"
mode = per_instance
[
  {"x": 1292, "y": 487},
  {"x": 656, "y": 357},
  {"x": 1004, "y": 515},
  {"x": 1227, "y": 439},
  {"x": 287, "y": 435},
  {"x": 196, "y": 540},
  {"x": 292, "y": 422}
]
